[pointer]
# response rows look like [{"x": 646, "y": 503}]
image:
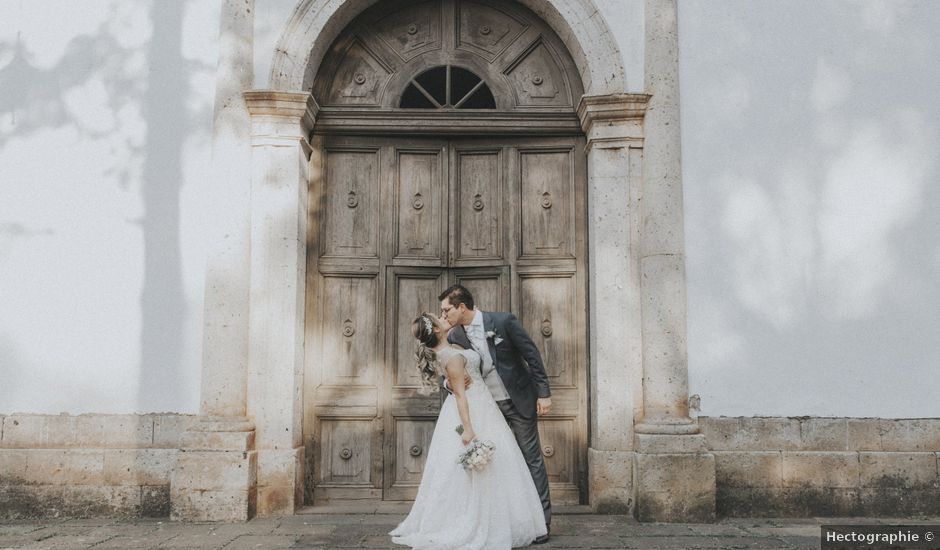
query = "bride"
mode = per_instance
[{"x": 497, "y": 507}]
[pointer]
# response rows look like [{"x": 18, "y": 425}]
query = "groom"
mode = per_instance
[{"x": 521, "y": 393}]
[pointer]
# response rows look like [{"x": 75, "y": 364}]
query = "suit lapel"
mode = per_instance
[{"x": 460, "y": 337}]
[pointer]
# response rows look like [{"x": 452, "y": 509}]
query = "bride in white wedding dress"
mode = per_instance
[{"x": 495, "y": 508}]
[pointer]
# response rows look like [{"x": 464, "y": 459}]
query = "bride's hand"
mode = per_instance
[{"x": 467, "y": 436}]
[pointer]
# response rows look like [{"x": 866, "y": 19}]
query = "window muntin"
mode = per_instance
[{"x": 447, "y": 87}]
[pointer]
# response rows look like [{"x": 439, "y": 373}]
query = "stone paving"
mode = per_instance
[{"x": 329, "y": 531}]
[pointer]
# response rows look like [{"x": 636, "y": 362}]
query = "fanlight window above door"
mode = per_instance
[{"x": 447, "y": 87}]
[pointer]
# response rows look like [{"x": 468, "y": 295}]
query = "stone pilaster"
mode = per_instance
[
  {"x": 613, "y": 126},
  {"x": 281, "y": 123},
  {"x": 215, "y": 475},
  {"x": 662, "y": 247},
  {"x": 675, "y": 472}
]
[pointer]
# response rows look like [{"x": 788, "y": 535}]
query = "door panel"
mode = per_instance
[
  {"x": 538, "y": 79},
  {"x": 352, "y": 200},
  {"x": 349, "y": 349},
  {"x": 559, "y": 439},
  {"x": 549, "y": 316},
  {"x": 346, "y": 468},
  {"x": 361, "y": 76},
  {"x": 490, "y": 286},
  {"x": 421, "y": 205},
  {"x": 548, "y": 203},
  {"x": 346, "y": 454},
  {"x": 502, "y": 29},
  {"x": 411, "y": 31},
  {"x": 401, "y": 220},
  {"x": 479, "y": 206},
  {"x": 412, "y": 438}
]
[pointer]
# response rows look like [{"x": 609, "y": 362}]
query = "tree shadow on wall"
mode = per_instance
[
  {"x": 34, "y": 99},
  {"x": 163, "y": 303}
]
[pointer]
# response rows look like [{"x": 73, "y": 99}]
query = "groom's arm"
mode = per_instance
[{"x": 520, "y": 338}]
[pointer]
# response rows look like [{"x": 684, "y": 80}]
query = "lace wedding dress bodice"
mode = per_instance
[
  {"x": 473, "y": 364},
  {"x": 496, "y": 508}
]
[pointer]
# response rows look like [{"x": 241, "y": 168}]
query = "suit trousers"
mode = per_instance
[{"x": 526, "y": 431}]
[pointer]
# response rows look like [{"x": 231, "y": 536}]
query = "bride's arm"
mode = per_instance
[{"x": 455, "y": 370}]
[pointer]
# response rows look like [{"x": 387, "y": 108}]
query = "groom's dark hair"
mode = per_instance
[{"x": 456, "y": 295}]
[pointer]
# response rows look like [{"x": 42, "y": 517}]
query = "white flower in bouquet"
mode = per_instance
[{"x": 477, "y": 455}]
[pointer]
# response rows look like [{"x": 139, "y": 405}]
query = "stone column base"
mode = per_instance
[
  {"x": 216, "y": 472},
  {"x": 280, "y": 481},
  {"x": 611, "y": 481},
  {"x": 675, "y": 479}
]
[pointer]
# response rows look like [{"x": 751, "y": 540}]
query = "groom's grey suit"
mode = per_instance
[{"x": 519, "y": 365}]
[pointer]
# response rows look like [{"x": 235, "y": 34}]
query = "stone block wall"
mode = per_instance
[
  {"x": 121, "y": 465},
  {"x": 825, "y": 466},
  {"x": 87, "y": 465}
]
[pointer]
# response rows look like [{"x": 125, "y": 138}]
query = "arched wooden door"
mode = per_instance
[{"x": 447, "y": 150}]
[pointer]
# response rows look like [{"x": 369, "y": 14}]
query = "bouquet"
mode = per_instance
[{"x": 477, "y": 455}]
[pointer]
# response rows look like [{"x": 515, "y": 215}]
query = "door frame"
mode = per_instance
[
  {"x": 284, "y": 161},
  {"x": 510, "y": 146}
]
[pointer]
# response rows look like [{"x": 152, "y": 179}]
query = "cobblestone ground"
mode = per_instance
[{"x": 329, "y": 531}]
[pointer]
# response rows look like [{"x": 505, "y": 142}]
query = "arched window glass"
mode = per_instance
[{"x": 447, "y": 87}]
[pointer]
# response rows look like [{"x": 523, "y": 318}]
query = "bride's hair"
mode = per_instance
[{"x": 425, "y": 359}]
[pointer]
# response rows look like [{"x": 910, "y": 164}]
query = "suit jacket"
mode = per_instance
[{"x": 515, "y": 357}]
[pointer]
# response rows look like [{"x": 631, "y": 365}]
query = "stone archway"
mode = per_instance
[
  {"x": 317, "y": 23},
  {"x": 639, "y": 424}
]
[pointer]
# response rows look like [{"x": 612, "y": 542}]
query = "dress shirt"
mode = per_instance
[{"x": 477, "y": 335}]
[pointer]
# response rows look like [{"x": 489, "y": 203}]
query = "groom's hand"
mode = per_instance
[
  {"x": 466, "y": 383},
  {"x": 543, "y": 406}
]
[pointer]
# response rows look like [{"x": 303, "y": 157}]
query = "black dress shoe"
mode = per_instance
[{"x": 544, "y": 538}]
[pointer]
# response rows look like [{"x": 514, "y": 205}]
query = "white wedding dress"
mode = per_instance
[{"x": 495, "y": 508}]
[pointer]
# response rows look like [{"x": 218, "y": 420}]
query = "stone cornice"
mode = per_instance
[
  {"x": 449, "y": 122},
  {"x": 611, "y": 108},
  {"x": 297, "y": 105}
]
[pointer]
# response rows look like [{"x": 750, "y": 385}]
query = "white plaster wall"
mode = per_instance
[
  {"x": 811, "y": 201},
  {"x": 105, "y": 112},
  {"x": 271, "y": 17},
  {"x": 810, "y": 139},
  {"x": 626, "y": 21}
]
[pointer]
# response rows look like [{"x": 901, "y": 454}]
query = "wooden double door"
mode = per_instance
[{"x": 392, "y": 223}]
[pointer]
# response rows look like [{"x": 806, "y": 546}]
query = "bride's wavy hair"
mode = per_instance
[{"x": 422, "y": 328}]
